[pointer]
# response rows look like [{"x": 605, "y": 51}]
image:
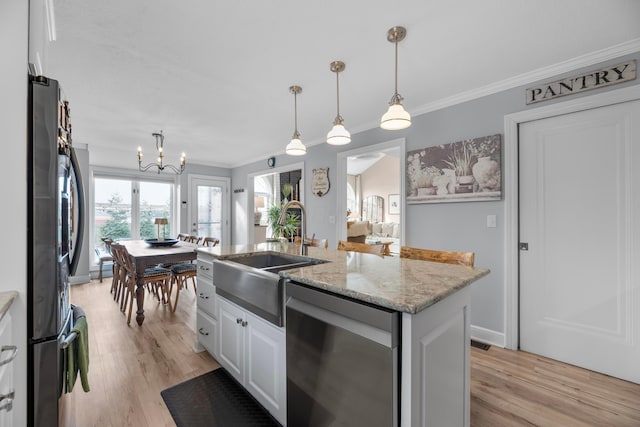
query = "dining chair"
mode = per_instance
[
  {"x": 104, "y": 256},
  {"x": 320, "y": 243},
  {"x": 361, "y": 247},
  {"x": 210, "y": 242},
  {"x": 182, "y": 236},
  {"x": 193, "y": 239},
  {"x": 460, "y": 258},
  {"x": 157, "y": 277}
]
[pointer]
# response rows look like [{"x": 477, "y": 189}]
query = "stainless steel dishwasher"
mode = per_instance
[{"x": 342, "y": 361}]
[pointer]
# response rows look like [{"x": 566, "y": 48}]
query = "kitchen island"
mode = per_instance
[{"x": 432, "y": 300}]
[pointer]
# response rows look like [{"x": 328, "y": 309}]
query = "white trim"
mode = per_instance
[
  {"x": 487, "y": 336},
  {"x": 226, "y": 237},
  {"x": 511, "y": 123},
  {"x": 250, "y": 180},
  {"x": 341, "y": 183}
]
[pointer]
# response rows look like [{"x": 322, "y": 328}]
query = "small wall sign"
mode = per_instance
[
  {"x": 320, "y": 185},
  {"x": 595, "y": 79}
]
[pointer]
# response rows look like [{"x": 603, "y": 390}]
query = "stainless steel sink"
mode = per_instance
[{"x": 252, "y": 281}]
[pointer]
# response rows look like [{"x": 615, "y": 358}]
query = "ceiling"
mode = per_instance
[{"x": 215, "y": 76}]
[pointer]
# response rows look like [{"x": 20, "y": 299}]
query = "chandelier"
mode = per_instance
[{"x": 160, "y": 161}]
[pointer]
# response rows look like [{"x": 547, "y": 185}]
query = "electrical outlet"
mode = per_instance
[
  {"x": 491, "y": 221},
  {"x": 332, "y": 219}
]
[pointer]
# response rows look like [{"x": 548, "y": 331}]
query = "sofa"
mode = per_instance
[{"x": 375, "y": 232}]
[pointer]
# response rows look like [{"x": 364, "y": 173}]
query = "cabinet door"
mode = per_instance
[
  {"x": 207, "y": 332},
  {"x": 265, "y": 372},
  {"x": 6, "y": 374},
  {"x": 231, "y": 348}
]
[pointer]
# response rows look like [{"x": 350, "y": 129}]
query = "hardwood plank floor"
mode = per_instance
[{"x": 131, "y": 365}]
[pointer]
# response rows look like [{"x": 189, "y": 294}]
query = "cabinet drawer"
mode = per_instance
[
  {"x": 207, "y": 298},
  {"x": 205, "y": 269},
  {"x": 207, "y": 332}
]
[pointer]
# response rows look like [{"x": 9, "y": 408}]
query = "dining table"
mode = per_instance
[{"x": 144, "y": 254}]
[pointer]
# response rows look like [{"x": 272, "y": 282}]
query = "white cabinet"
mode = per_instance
[
  {"x": 207, "y": 315},
  {"x": 7, "y": 355},
  {"x": 253, "y": 351}
]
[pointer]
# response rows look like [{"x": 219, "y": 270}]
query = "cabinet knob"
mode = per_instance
[
  {"x": 7, "y": 401},
  {"x": 238, "y": 321},
  {"x": 203, "y": 296},
  {"x": 13, "y": 349},
  {"x": 244, "y": 323},
  {"x": 204, "y": 268},
  {"x": 203, "y": 332}
]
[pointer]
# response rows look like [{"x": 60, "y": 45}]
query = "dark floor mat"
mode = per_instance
[
  {"x": 214, "y": 399},
  {"x": 480, "y": 345}
]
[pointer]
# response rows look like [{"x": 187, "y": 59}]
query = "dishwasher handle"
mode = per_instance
[{"x": 377, "y": 324}]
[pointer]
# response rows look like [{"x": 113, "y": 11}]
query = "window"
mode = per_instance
[{"x": 125, "y": 208}]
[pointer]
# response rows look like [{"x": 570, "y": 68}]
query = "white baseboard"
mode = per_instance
[
  {"x": 487, "y": 336},
  {"x": 78, "y": 280}
]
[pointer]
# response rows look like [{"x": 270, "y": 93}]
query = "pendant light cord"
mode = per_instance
[
  {"x": 338, "y": 94},
  {"x": 295, "y": 111},
  {"x": 396, "y": 81}
]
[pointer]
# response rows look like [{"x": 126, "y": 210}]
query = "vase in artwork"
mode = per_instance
[{"x": 487, "y": 174}]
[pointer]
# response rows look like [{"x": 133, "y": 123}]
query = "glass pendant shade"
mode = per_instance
[
  {"x": 338, "y": 135},
  {"x": 395, "y": 118},
  {"x": 296, "y": 148}
]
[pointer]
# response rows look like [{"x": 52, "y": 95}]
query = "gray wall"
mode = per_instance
[{"x": 447, "y": 226}]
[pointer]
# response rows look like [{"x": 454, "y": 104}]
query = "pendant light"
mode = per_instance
[
  {"x": 295, "y": 147},
  {"x": 338, "y": 135},
  {"x": 396, "y": 116}
]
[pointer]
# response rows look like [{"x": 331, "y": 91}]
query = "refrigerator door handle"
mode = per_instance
[
  {"x": 66, "y": 342},
  {"x": 13, "y": 349},
  {"x": 75, "y": 167}
]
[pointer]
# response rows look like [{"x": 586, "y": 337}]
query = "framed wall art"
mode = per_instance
[
  {"x": 394, "y": 204},
  {"x": 463, "y": 171}
]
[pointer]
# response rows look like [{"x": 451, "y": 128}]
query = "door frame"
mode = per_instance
[
  {"x": 226, "y": 203},
  {"x": 511, "y": 184},
  {"x": 250, "y": 189},
  {"x": 341, "y": 183}
]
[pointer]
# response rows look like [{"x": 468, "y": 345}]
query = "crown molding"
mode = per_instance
[{"x": 602, "y": 55}]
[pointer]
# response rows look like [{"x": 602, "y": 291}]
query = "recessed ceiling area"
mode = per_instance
[{"x": 215, "y": 76}]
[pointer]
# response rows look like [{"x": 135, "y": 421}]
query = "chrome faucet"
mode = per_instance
[{"x": 283, "y": 218}]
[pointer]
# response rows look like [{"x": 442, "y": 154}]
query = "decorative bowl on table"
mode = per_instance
[{"x": 164, "y": 242}]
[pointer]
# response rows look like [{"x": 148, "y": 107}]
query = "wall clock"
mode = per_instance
[{"x": 271, "y": 162}]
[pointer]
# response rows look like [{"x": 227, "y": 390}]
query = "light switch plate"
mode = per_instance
[
  {"x": 332, "y": 219},
  {"x": 491, "y": 221}
]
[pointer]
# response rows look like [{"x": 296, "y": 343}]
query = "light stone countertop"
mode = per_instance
[
  {"x": 396, "y": 283},
  {"x": 6, "y": 299}
]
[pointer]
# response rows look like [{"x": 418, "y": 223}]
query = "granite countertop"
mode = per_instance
[
  {"x": 6, "y": 299},
  {"x": 397, "y": 283}
]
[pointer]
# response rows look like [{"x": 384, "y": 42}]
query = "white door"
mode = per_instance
[
  {"x": 265, "y": 365},
  {"x": 209, "y": 208},
  {"x": 580, "y": 216}
]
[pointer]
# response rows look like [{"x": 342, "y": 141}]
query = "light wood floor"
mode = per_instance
[{"x": 131, "y": 365}]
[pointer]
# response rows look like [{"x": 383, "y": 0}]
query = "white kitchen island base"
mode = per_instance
[{"x": 435, "y": 364}]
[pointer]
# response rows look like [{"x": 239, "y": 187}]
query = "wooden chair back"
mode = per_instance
[
  {"x": 193, "y": 239},
  {"x": 210, "y": 241},
  {"x": 121, "y": 256},
  {"x": 320, "y": 243},
  {"x": 361, "y": 247},
  {"x": 183, "y": 237},
  {"x": 460, "y": 258}
]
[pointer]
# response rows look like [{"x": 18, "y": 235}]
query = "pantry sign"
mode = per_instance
[{"x": 595, "y": 79}]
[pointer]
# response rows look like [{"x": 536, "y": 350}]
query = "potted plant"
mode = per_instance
[{"x": 290, "y": 226}]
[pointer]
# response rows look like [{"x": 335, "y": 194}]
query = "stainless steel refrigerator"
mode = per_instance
[{"x": 55, "y": 229}]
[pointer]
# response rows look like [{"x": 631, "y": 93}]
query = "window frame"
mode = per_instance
[{"x": 135, "y": 177}]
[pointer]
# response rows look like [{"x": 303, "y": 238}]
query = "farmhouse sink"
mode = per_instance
[{"x": 252, "y": 281}]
